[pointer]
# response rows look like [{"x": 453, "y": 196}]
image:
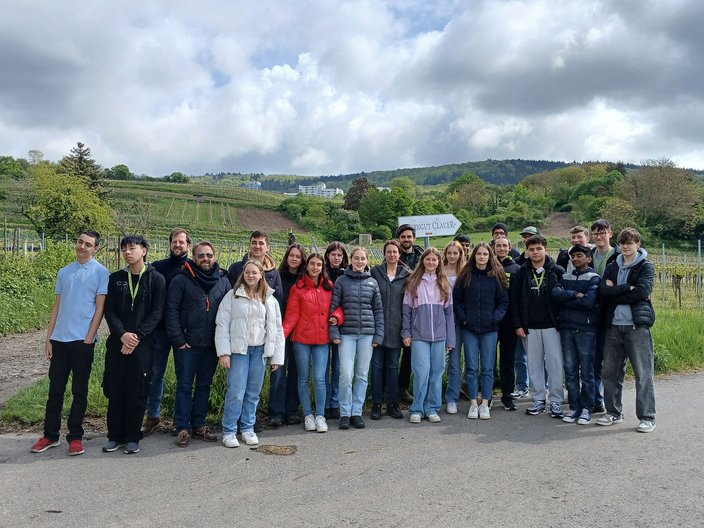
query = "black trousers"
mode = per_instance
[
  {"x": 126, "y": 385},
  {"x": 507, "y": 351},
  {"x": 68, "y": 357},
  {"x": 404, "y": 371}
]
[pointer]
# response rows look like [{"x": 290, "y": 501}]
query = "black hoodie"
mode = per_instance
[{"x": 530, "y": 302}]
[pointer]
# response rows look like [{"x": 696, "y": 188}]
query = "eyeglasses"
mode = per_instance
[
  {"x": 596, "y": 234},
  {"x": 204, "y": 255}
]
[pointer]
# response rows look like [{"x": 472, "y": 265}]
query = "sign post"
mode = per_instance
[{"x": 427, "y": 226}]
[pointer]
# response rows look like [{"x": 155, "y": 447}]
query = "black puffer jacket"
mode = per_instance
[
  {"x": 191, "y": 308},
  {"x": 359, "y": 296},
  {"x": 641, "y": 278},
  {"x": 392, "y": 301},
  {"x": 520, "y": 292}
]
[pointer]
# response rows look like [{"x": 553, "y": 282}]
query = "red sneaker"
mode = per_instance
[
  {"x": 43, "y": 444},
  {"x": 75, "y": 447}
]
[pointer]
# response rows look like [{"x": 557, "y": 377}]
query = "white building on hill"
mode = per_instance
[{"x": 318, "y": 189}]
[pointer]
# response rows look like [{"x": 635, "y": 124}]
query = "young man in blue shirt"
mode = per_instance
[{"x": 81, "y": 288}]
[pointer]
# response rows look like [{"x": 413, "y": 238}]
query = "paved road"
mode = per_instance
[{"x": 511, "y": 471}]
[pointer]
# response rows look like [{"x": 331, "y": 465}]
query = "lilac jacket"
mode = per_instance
[{"x": 425, "y": 316}]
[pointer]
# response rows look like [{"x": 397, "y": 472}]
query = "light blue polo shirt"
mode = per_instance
[{"x": 78, "y": 284}]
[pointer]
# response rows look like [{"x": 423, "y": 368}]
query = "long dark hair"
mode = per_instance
[
  {"x": 326, "y": 282},
  {"x": 332, "y": 246},
  {"x": 283, "y": 267},
  {"x": 494, "y": 267}
]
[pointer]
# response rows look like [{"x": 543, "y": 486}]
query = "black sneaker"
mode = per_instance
[
  {"x": 275, "y": 421},
  {"x": 357, "y": 422},
  {"x": 376, "y": 411},
  {"x": 335, "y": 413},
  {"x": 393, "y": 410},
  {"x": 508, "y": 404},
  {"x": 294, "y": 419},
  {"x": 344, "y": 422}
]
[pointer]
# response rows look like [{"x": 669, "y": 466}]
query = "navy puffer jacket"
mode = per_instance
[
  {"x": 359, "y": 296},
  {"x": 482, "y": 305}
]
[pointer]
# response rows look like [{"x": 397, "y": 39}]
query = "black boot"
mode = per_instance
[
  {"x": 393, "y": 411},
  {"x": 376, "y": 411}
]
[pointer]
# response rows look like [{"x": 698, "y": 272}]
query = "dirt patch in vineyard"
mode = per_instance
[
  {"x": 22, "y": 362},
  {"x": 558, "y": 224},
  {"x": 269, "y": 221}
]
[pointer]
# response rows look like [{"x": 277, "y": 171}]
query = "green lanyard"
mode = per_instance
[
  {"x": 134, "y": 289},
  {"x": 539, "y": 281}
]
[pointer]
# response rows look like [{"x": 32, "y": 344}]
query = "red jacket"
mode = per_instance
[{"x": 307, "y": 313}]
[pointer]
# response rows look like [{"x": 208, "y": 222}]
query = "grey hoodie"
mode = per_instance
[{"x": 623, "y": 315}]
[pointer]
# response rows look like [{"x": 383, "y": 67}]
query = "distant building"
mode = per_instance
[
  {"x": 254, "y": 185},
  {"x": 384, "y": 189},
  {"x": 318, "y": 189}
]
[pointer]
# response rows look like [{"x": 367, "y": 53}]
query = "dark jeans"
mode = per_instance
[
  {"x": 385, "y": 362},
  {"x": 598, "y": 362},
  {"x": 125, "y": 385},
  {"x": 332, "y": 379},
  {"x": 634, "y": 344},
  {"x": 404, "y": 373},
  {"x": 160, "y": 358},
  {"x": 283, "y": 387},
  {"x": 72, "y": 357},
  {"x": 507, "y": 355},
  {"x": 191, "y": 406},
  {"x": 578, "y": 349}
]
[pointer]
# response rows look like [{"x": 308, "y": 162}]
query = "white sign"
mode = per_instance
[{"x": 432, "y": 225}]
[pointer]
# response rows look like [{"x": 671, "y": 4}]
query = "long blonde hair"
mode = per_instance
[
  {"x": 460, "y": 261},
  {"x": 259, "y": 292},
  {"x": 414, "y": 280}
]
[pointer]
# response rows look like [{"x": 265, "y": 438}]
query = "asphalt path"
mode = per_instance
[{"x": 511, "y": 471}]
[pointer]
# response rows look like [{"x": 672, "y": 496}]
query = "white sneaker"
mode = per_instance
[
  {"x": 250, "y": 438},
  {"x": 451, "y": 407},
  {"x": 320, "y": 424},
  {"x": 434, "y": 418},
  {"x": 309, "y": 422},
  {"x": 646, "y": 426},
  {"x": 473, "y": 412},
  {"x": 230, "y": 440},
  {"x": 415, "y": 418},
  {"x": 484, "y": 412}
]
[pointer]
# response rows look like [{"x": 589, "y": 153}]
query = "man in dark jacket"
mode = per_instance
[
  {"x": 625, "y": 290},
  {"x": 507, "y": 335},
  {"x": 133, "y": 308},
  {"x": 410, "y": 257},
  {"x": 191, "y": 306},
  {"x": 577, "y": 294},
  {"x": 180, "y": 244},
  {"x": 535, "y": 321},
  {"x": 603, "y": 255}
]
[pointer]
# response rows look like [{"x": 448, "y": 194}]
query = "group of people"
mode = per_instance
[{"x": 336, "y": 319}]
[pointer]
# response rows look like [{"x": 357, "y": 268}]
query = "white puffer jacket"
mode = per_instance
[{"x": 232, "y": 326}]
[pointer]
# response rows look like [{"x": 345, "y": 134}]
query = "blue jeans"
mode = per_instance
[
  {"x": 454, "y": 368},
  {"x": 392, "y": 356},
  {"x": 359, "y": 345},
  {"x": 520, "y": 365},
  {"x": 578, "y": 349},
  {"x": 193, "y": 364},
  {"x": 283, "y": 387},
  {"x": 319, "y": 355},
  {"x": 160, "y": 358},
  {"x": 244, "y": 385},
  {"x": 480, "y": 347},
  {"x": 428, "y": 364},
  {"x": 634, "y": 344},
  {"x": 332, "y": 379}
]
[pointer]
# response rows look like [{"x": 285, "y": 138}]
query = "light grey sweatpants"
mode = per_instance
[{"x": 545, "y": 355}]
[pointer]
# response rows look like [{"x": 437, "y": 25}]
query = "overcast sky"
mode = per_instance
[{"x": 328, "y": 87}]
